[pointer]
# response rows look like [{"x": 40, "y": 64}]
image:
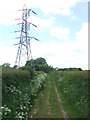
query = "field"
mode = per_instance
[{"x": 57, "y": 94}]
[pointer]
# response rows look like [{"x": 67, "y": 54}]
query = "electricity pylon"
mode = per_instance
[{"x": 24, "y": 49}]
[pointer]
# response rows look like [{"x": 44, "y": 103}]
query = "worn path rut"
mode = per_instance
[{"x": 49, "y": 104}]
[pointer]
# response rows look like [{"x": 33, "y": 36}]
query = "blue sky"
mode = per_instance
[{"x": 62, "y": 31}]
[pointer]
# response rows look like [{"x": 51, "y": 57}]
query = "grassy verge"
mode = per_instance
[{"x": 73, "y": 86}]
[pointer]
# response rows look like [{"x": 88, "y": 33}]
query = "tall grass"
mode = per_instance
[{"x": 73, "y": 86}]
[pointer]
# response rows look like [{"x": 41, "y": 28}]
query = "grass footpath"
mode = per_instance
[{"x": 48, "y": 105}]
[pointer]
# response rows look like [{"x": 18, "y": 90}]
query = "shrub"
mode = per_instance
[{"x": 28, "y": 68}]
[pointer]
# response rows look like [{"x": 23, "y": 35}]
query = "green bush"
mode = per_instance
[
  {"x": 28, "y": 68},
  {"x": 13, "y": 76},
  {"x": 19, "y": 92}
]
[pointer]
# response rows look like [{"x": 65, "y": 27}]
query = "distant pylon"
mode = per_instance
[{"x": 24, "y": 49}]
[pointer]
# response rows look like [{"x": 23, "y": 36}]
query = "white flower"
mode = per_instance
[
  {"x": 0, "y": 113},
  {"x": 2, "y": 107}
]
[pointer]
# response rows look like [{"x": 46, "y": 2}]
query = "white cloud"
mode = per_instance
[
  {"x": 86, "y": 1},
  {"x": 52, "y": 7},
  {"x": 82, "y": 37},
  {"x": 60, "y": 33},
  {"x": 60, "y": 54},
  {"x": 65, "y": 54},
  {"x": 8, "y": 8},
  {"x": 55, "y": 6},
  {"x": 7, "y": 54},
  {"x": 42, "y": 23}
]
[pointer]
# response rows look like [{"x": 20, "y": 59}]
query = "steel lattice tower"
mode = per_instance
[{"x": 24, "y": 48}]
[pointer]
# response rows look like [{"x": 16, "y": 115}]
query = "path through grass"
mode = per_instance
[{"x": 49, "y": 103}]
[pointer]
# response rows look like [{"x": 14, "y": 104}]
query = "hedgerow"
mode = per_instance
[{"x": 19, "y": 92}]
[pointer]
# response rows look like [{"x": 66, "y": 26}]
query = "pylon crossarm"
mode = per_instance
[{"x": 33, "y": 38}]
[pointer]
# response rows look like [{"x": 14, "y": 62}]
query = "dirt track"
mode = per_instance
[{"x": 49, "y": 104}]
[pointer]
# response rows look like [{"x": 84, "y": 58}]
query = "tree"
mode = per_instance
[
  {"x": 6, "y": 65},
  {"x": 79, "y": 69},
  {"x": 36, "y": 62},
  {"x": 39, "y": 64},
  {"x": 29, "y": 63},
  {"x": 41, "y": 61}
]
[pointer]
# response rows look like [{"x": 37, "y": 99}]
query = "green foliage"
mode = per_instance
[
  {"x": 30, "y": 63},
  {"x": 14, "y": 76},
  {"x": 69, "y": 69},
  {"x": 44, "y": 68},
  {"x": 6, "y": 65},
  {"x": 28, "y": 68},
  {"x": 40, "y": 61},
  {"x": 73, "y": 86},
  {"x": 19, "y": 92},
  {"x": 39, "y": 64}
]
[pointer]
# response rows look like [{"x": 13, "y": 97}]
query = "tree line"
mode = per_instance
[{"x": 40, "y": 64}]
